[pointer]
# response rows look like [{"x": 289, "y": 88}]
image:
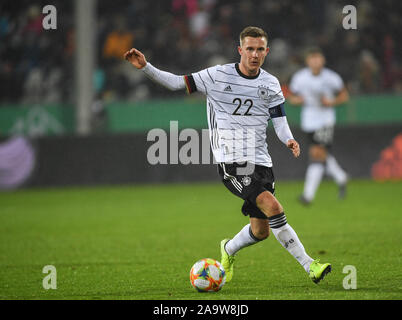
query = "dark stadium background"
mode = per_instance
[{"x": 88, "y": 125}]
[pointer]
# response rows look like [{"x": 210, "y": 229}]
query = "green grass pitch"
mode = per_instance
[{"x": 139, "y": 242}]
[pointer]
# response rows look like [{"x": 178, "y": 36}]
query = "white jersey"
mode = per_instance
[
  {"x": 311, "y": 87},
  {"x": 238, "y": 108}
]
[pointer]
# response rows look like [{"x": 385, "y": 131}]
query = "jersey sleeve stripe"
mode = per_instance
[
  {"x": 210, "y": 76},
  {"x": 206, "y": 90},
  {"x": 190, "y": 84}
]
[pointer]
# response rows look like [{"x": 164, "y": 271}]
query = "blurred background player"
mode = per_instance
[
  {"x": 242, "y": 96},
  {"x": 319, "y": 90}
]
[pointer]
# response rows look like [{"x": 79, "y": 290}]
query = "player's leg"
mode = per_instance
[
  {"x": 282, "y": 231},
  {"x": 256, "y": 231},
  {"x": 334, "y": 170},
  {"x": 243, "y": 239},
  {"x": 252, "y": 233},
  {"x": 288, "y": 238},
  {"x": 314, "y": 173},
  {"x": 259, "y": 228},
  {"x": 265, "y": 211}
]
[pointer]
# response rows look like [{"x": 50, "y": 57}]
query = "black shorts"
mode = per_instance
[
  {"x": 323, "y": 137},
  {"x": 248, "y": 187}
]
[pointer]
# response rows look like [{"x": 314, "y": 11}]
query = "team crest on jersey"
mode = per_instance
[
  {"x": 246, "y": 181},
  {"x": 263, "y": 92}
]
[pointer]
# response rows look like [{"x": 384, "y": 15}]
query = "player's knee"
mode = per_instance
[
  {"x": 318, "y": 153},
  {"x": 268, "y": 204},
  {"x": 261, "y": 202},
  {"x": 276, "y": 207}
]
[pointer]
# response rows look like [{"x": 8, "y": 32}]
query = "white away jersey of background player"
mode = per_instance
[
  {"x": 328, "y": 83},
  {"x": 238, "y": 111}
]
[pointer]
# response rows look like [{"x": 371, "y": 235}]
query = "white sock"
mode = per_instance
[
  {"x": 314, "y": 175},
  {"x": 288, "y": 238},
  {"x": 334, "y": 170},
  {"x": 243, "y": 239}
]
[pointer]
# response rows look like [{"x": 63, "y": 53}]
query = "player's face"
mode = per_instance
[
  {"x": 253, "y": 52},
  {"x": 315, "y": 62}
]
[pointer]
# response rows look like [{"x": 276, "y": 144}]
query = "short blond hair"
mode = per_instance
[{"x": 253, "y": 32}]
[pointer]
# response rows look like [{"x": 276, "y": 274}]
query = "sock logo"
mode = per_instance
[{"x": 288, "y": 242}]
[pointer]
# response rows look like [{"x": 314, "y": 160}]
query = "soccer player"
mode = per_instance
[
  {"x": 319, "y": 90},
  {"x": 241, "y": 97}
]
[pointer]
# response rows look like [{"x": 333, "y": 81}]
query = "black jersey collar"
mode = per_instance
[{"x": 241, "y": 74}]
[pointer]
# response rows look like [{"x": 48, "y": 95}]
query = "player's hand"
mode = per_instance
[
  {"x": 327, "y": 102},
  {"x": 136, "y": 58},
  {"x": 294, "y": 146}
]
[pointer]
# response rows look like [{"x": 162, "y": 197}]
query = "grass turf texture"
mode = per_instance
[{"x": 140, "y": 242}]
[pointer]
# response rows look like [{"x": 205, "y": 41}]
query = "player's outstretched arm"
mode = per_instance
[{"x": 169, "y": 80}]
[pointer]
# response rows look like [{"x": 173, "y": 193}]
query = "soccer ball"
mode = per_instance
[{"x": 207, "y": 275}]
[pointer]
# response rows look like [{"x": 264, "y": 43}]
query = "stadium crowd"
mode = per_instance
[{"x": 181, "y": 36}]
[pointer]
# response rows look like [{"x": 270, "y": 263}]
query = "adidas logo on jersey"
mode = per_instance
[{"x": 228, "y": 89}]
